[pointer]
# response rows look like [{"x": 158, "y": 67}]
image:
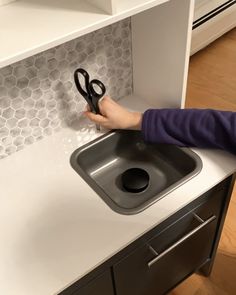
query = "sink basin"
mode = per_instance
[{"x": 102, "y": 163}]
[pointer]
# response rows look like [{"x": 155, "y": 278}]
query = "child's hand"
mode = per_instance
[{"x": 114, "y": 116}]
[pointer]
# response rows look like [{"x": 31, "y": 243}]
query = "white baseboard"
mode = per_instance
[{"x": 213, "y": 29}]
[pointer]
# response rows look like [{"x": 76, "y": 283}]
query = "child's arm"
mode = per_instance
[
  {"x": 187, "y": 127},
  {"x": 191, "y": 127}
]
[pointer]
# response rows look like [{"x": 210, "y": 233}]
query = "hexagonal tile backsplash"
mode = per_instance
[{"x": 38, "y": 95}]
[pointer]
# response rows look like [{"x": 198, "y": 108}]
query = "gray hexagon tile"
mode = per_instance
[{"x": 38, "y": 96}]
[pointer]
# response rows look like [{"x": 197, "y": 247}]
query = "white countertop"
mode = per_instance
[{"x": 55, "y": 228}]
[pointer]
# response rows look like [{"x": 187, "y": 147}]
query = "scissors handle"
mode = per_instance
[
  {"x": 97, "y": 90},
  {"x": 91, "y": 93},
  {"x": 77, "y": 82}
]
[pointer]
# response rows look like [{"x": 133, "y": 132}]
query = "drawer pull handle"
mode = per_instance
[
  {"x": 153, "y": 250},
  {"x": 198, "y": 218},
  {"x": 176, "y": 244}
]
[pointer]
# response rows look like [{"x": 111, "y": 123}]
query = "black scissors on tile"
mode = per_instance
[{"x": 92, "y": 91}]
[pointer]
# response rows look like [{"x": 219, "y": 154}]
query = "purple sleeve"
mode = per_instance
[{"x": 191, "y": 127}]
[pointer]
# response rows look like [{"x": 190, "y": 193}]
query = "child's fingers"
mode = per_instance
[
  {"x": 95, "y": 118},
  {"x": 88, "y": 108}
]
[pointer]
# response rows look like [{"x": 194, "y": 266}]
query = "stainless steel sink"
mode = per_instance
[{"x": 101, "y": 164}]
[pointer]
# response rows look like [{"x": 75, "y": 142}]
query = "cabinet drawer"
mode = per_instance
[
  {"x": 189, "y": 221},
  {"x": 171, "y": 255},
  {"x": 100, "y": 285}
]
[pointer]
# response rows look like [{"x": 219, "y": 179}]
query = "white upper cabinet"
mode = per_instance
[
  {"x": 124, "y": 6},
  {"x": 28, "y": 27},
  {"x": 106, "y": 5}
]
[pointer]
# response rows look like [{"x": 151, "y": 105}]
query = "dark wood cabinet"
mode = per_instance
[
  {"x": 101, "y": 285},
  {"x": 173, "y": 254},
  {"x": 184, "y": 243}
]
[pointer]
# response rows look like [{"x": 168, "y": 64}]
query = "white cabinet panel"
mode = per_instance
[
  {"x": 160, "y": 50},
  {"x": 4, "y": 2}
]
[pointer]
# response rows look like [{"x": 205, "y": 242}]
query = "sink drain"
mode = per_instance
[{"x": 135, "y": 180}]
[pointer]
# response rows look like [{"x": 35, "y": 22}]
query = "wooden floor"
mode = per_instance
[{"x": 212, "y": 84}]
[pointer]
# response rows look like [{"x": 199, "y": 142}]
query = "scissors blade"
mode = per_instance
[
  {"x": 85, "y": 93},
  {"x": 98, "y": 127}
]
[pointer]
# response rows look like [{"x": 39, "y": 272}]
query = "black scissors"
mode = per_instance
[{"x": 90, "y": 94}]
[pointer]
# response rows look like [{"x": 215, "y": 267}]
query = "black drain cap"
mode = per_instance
[{"x": 135, "y": 180}]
